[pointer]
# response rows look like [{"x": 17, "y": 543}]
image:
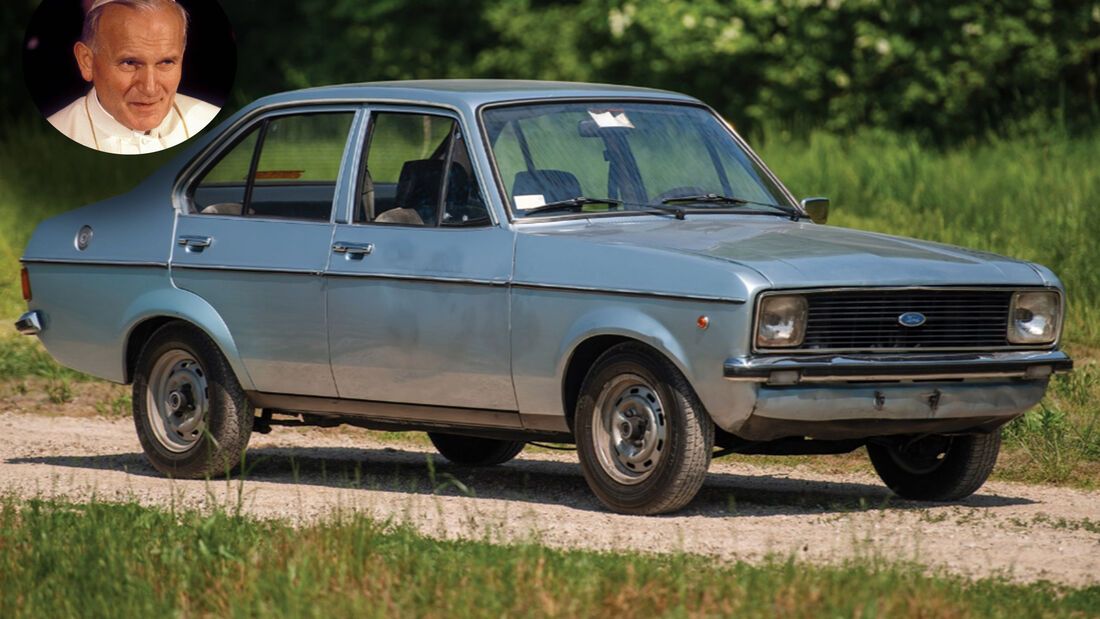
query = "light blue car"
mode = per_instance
[{"x": 496, "y": 262}]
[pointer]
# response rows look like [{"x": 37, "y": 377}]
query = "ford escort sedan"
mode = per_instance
[{"x": 497, "y": 262}]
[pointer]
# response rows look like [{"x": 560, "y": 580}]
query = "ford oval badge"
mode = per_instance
[{"x": 911, "y": 319}]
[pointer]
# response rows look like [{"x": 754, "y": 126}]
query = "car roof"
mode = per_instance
[{"x": 467, "y": 93}]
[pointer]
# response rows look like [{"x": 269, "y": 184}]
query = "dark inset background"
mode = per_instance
[{"x": 53, "y": 79}]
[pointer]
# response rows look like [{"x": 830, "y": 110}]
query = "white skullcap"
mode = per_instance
[{"x": 99, "y": 3}]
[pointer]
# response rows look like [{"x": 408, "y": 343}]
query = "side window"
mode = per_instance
[
  {"x": 414, "y": 164},
  {"x": 286, "y": 167},
  {"x": 222, "y": 189}
]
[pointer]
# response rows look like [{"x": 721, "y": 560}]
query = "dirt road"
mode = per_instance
[{"x": 1023, "y": 532}]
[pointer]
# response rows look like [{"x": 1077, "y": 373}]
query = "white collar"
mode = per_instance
[{"x": 102, "y": 122}]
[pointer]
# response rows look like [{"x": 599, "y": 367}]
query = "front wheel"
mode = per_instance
[
  {"x": 936, "y": 467},
  {"x": 192, "y": 417},
  {"x": 643, "y": 438}
]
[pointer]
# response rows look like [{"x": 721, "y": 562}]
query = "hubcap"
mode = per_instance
[
  {"x": 629, "y": 429},
  {"x": 176, "y": 400}
]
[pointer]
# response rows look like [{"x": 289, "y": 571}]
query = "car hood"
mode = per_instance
[{"x": 802, "y": 254}]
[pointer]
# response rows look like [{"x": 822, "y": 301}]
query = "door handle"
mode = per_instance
[
  {"x": 190, "y": 240},
  {"x": 353, "y": 249}
]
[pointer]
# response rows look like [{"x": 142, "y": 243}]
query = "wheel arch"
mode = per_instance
[
  {"x": 156, "y": 309},
  {"x": 599, "y": 335}
]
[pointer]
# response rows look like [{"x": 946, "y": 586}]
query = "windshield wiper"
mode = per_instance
[
  {"x": 714, "y": 198},
  {"x": 576, "y": 204},
  {"x": 572, "y": 204}
]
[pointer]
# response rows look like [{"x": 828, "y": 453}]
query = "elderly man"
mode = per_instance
[{"x": 132, "y": 53}]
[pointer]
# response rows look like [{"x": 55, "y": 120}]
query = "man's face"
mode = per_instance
[{"x": 135, "y": 67}]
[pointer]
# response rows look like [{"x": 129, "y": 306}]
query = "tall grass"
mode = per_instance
[{"x": 99, "y": 559}]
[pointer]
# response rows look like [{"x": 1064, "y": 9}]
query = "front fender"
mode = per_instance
[
  {"x": 628, "y": 322},
  {"x": 187, "y": 306}
]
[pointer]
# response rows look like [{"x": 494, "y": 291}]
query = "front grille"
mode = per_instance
[{"x": 869, "y": 319}]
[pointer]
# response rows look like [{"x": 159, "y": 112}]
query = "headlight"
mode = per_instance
[
  {"x": 781, "y": 321},
  {"x": 1034, "y": 317}
]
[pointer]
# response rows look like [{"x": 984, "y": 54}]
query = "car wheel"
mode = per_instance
[
  {"x": 936, "y": 467},
  {"x": 474, "y": 451},
  {"x": 643, "y": 438},
  {"x": 192, "y": 417}
]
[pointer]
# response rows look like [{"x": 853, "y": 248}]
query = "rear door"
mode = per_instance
[{"x": 255, "y": 239}]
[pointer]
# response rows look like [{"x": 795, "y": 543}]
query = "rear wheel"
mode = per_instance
[
  {"x": 475, "y": 451},
  {"x": 192, "y": 417},
  {"x": 936, "y": 467},
  {"x": 643, "y": 438}
]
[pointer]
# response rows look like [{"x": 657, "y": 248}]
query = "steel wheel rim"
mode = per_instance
[
  {"x": 629, "y": 429},
  {"x": 176, "y": 400}
]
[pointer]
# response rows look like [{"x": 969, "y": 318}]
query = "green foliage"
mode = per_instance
[
  {"x": 99, "y": 559},
  {"x": 952, "y": 70}
]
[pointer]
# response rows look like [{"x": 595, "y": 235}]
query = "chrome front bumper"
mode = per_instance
[
  {"x": 793, "y": 370},
  {"x": 29, "y": 323}
]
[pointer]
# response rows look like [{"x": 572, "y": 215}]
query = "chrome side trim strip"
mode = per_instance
[
  {"x": 391, "y": 412},
  {"x": 390, "y": 276},
  {"x": 113, "y": 263},
  {"x": 623, "y": 291},
  {"x": 222, "y": 267},
  {"x": 790, "y": 371},
  {"x": 441, "y": 279},
  {"x": 30, "y": 323}
]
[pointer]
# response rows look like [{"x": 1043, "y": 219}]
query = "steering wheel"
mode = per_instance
[{"x": 678, "y": 192}]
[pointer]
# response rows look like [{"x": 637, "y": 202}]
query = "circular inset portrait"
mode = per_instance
[{"x": 129, "y": 76}]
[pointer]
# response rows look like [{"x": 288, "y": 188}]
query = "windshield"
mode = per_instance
[{"x": 618, "y": 156}]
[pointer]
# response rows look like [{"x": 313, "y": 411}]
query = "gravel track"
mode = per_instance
[{"x": 1022, "y": 532}]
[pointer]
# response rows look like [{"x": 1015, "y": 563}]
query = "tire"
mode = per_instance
[
  {"x": 936, "y": 467},
  {"x": 643, "y": 438},
  {"x": 192, "y": 417},
  {"x": 474, "y": 451}
]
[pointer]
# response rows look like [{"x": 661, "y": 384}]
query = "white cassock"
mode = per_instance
[{"x": 86, "y": 122}]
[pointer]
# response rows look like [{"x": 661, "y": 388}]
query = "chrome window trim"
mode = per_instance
[
  {"x": 209, "y": 156},
  {"x": 408, "y": 107},
  {"x": 817, "y": 351}
]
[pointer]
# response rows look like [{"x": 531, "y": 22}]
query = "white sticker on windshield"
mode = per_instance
[
  {"x": 610, "y": 119},
  {"x": 529, "y": 201}
]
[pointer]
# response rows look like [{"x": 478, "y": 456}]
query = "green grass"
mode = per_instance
[{"x": 101, "y": 559}]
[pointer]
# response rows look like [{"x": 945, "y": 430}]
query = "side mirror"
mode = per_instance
[{"x": 817, "y": 209}]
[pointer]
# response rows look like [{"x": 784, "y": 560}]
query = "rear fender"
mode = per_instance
[{"x": 186, "y": 306}]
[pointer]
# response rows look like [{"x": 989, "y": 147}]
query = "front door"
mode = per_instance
[{"x": 417, "y": 282}]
